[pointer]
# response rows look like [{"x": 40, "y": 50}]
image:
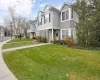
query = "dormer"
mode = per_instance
[{"x": 66, "y": 13}]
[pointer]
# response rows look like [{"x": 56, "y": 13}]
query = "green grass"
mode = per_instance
[
  {"x": 53, "y": 62},
  {"x": 18, "y": 43},
  {"x": 18, "y": 40}
]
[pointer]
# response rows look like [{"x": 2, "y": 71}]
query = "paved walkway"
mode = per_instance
[
  {"x": 5, "y": 73},
  {"x": 29, "y": 46}
]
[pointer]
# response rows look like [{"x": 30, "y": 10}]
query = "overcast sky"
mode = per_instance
[{"x": 28, "y": 8}]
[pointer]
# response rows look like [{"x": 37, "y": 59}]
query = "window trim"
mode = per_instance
[
  {"x": 69, "y": 32},
  {"x": 72, "y": 13},
  {"x": 69, "y": 15},
  {"x": 65, "y": 15},
  {"x": 47, "y": 20}
]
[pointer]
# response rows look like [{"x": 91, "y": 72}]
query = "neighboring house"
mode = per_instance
[
  {"x": 1, "y": 31},
  {"x": 32, "y": 28},
  {"x": 57, "y": 24}
]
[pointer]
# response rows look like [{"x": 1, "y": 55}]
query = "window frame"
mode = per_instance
[
  {"x": 72, "y": 13},
  {"x": 40, "y": 21},
  {"x": 47, "y": 19},
  {"x": 65, "y": 15},
  {"x": 69, "y": 32}
]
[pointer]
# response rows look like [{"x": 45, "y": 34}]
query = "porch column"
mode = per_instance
[
  {"x": 70, "y": 32},
  {"x": 52, "y": 34},
  {"x": 61, "y": 34}
]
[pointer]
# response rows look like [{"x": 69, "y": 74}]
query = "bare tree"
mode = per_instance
[{"x": 19, "y": 24}]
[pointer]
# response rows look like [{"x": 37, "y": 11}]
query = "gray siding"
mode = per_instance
[
  {"x": 47, "y": 25},
  {"x": 72, "y": 24},
  {"x": 65, "y": 25},
  {"x": 44, "y": 33},
  {"x": 56, "y": 20}
]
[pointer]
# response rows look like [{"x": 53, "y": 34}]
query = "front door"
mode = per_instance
[{"x": 57, "y": 34}]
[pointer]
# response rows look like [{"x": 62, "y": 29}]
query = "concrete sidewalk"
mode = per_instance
[
  {"x": 29, "y": 46},
  {"x": 5, "y": 73}
]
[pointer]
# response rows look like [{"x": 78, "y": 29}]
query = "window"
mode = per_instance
[
  {"x": 65, "y": 15},
  {"x": 46, "y": 18},
  {"x": 45, "y": 33},
  {"x": 72, "y": 31},
  {"x": 40, "y": 21},
  {"x": 65, "y": 34},
  {"x": 49, "y": 17},
  {"x": 72, "y": 13}
]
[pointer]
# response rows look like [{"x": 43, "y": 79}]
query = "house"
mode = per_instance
[
  {"x": 57, "y": 24},
  {"x": 32, "y": 28},
  {"x": 54, "y": 23},
  {"x": 1, "y": 31}
]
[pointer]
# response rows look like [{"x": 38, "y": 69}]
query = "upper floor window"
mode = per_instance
[
  {"x": 47, "y": 18},
  {"x": 65, "y": 15},
  {"x": 72, "y": 13},
  {"x": 40, "y": 21}
]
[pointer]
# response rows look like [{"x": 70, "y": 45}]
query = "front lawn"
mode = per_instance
[
  {"x": 18, "y": 43},
  {"x": 18, "y": 40},
  {"x": 53, "y": 62}
]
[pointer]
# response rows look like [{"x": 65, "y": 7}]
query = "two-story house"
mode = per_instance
[
  {"x": 32, "y": 28},
  {"x": 49, "y": 23},
  {"x": 57, "y": 24}
]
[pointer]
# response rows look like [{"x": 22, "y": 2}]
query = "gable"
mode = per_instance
[
  {"x": 64, "y": 7},
  {"x": 40, "y": 13},
  {"x": 47, "y": 7}
]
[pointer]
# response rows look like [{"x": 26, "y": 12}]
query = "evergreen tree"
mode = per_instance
[{"x": 88, "y": 27}]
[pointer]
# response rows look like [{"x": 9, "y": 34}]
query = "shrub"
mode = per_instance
[
  {"x": 62, "y": 42},
  {"x": 44, "y": 39},
  {"x": 38, "y": 38},
  {"x": 59, "y": 42},
  {"x": 70, "y": 41},
  {"x": 34, "y": 38},
  {"x": 41, "y": 39},
  {"x": 54, "y": 41}
]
